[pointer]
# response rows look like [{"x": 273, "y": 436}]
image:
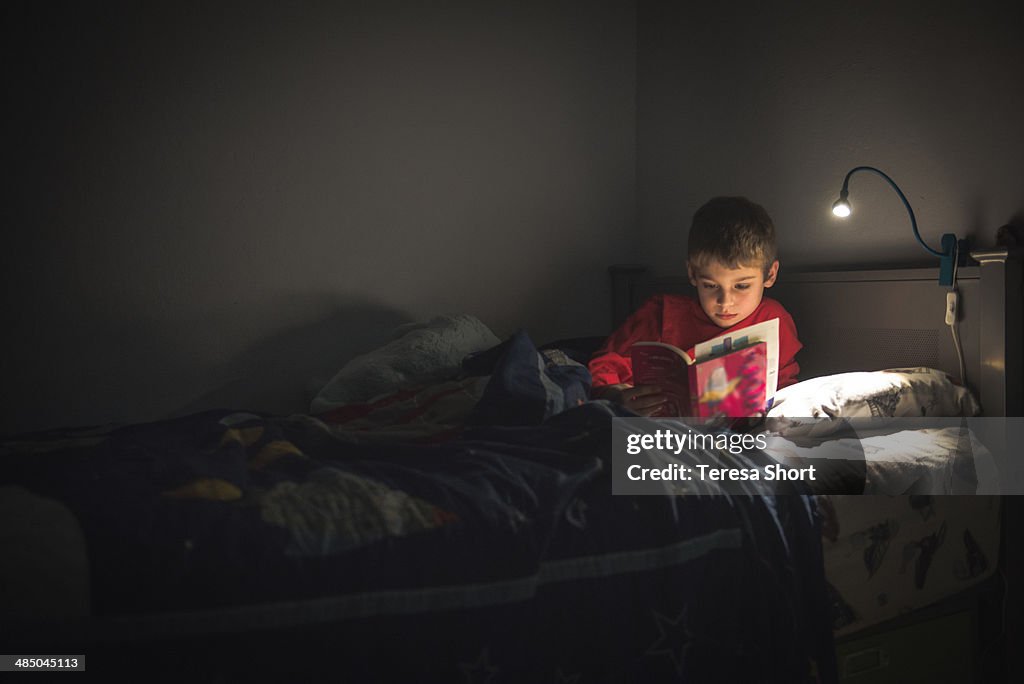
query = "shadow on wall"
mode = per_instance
[
  {"x": 1012, "y": 234},
  {"x": 94, "y": 368},
  {"x": 282, "y": 372}
]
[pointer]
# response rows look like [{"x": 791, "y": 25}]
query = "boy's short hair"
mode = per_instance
[{"x": 733, "y": 231}]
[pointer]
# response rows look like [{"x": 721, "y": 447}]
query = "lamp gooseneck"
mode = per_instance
[
  {"x": 838, "y": 207},
  {"x": 950, "y": 245}
]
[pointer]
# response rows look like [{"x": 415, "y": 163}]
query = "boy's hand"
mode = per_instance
[{"x": 645, "y": 400}]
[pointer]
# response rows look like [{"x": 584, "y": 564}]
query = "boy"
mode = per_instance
[{"x": 731, "y": 260}]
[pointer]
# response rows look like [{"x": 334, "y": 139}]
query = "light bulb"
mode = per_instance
[{"x": 841, "y": 208}]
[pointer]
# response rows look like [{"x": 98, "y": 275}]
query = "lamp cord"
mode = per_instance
[{"x": 954, "y": 325}]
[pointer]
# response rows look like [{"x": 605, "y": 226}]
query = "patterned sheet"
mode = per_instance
[
  {"x": 889, "y": 555},
  {"x": 915, "y": 536}
]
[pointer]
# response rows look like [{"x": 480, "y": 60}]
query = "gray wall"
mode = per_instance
[
  {"x": 778, "y": 100},
  {"x": 219, "y": 203}
]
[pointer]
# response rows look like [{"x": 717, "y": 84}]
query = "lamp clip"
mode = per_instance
[{"x": 949, "y": 253}]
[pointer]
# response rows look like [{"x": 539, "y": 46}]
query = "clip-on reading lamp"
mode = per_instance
[
  {"x": 947, "y": 257},
  {"x": 949, "y": 242}
]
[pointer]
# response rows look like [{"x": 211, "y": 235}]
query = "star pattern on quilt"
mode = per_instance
[
  {"x": 481, "y": 671},
  {"x": 576, "y": 513},
  {"x": 674, "y": 639}
]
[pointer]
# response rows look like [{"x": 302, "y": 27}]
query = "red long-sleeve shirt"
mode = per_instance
[{"x": 679, "y": 320}]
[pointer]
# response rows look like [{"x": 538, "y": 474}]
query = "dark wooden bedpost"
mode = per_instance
[{"x": 1001, "y": 361}]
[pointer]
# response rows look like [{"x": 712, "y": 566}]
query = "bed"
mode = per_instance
[
  {"x": 257, "y": 547},
  {"x": 902, "y": 561},
  {"x": 459, "y": 528}
]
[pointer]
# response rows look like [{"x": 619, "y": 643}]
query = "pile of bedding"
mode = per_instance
[{"x": 491, "y": 545}]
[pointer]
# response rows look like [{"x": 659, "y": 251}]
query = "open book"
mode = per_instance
[{"x": 732, "y": 375}]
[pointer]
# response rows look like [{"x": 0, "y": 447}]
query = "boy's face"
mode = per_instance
[{"x": 728, "y": 295}]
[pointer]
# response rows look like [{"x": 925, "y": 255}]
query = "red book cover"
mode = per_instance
[
  {"x": 733, "y": 384},
  {"x": 668, "y": 367}
]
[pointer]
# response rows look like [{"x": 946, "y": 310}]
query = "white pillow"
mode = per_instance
[
  {"x": 422, "y": 353},
  {"x": 894, "y": 393}
]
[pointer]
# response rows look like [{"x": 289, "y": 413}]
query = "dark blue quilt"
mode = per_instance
[{"x": 499, "y": 556}]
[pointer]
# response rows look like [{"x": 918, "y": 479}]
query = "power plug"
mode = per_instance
[{"x": 952, "y": 306}]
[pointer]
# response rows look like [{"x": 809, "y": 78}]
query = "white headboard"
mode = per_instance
[{"x": 871, "y": 320}]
